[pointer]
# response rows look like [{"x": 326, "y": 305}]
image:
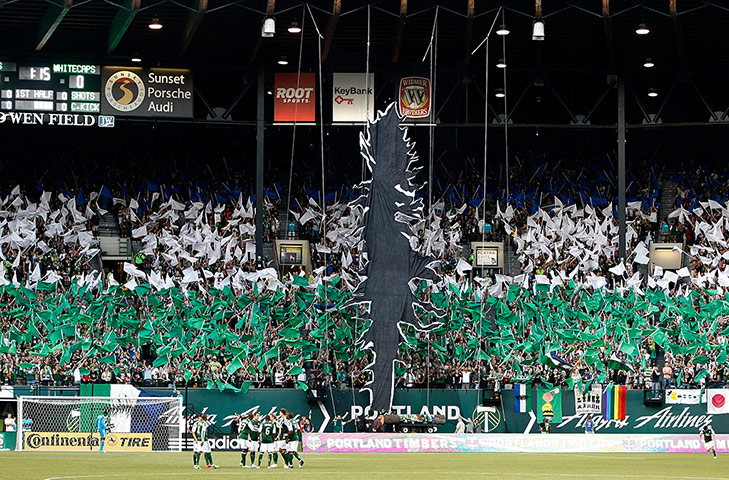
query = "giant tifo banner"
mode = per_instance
[
  {"x": 294, "y": 97},
  {"x": 140, "y": 92},
  {"x": 502, "y": 443},
  {"x": 353, "y": 98}
]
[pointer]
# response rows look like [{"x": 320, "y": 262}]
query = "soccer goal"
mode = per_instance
[{"x": 69, "y": 423}]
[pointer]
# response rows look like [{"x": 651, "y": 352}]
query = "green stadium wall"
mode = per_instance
[
  {"x": 661, "y": 418},
  {"x": 452, "y": 403}
]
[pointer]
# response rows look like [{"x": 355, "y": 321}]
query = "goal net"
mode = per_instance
[{"x": 69, "y": 423}]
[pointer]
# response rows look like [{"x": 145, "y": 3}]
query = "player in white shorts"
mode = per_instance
[
  {"x": 281, "y": 441},
  {"x": 254, "y": 432},
  {"x": 293, "y": 437},
  {"x": 707, "y": 436},
  {"x": 201, "y": 442}
]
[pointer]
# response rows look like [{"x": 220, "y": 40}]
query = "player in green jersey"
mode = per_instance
[
  {"x": 254, "y": 431},
  {"x": 243, "y": 433},
  {"x": 268, "y": 440},
  {"x": 201, "y": 442},
  {"x": 292, "y": 441}
]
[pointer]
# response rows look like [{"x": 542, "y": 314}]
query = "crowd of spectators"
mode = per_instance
[{"x": 197, "y": 238}]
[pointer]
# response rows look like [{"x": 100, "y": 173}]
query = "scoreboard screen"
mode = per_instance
[{"x": 53, "y": 88}]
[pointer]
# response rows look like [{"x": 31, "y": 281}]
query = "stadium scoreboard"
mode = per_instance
[{"x": 50, "y": 88}]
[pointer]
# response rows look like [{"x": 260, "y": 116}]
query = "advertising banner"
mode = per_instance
[
  {"x": 7, "y": 440},
  {"x": 505, "y": 443},
  {"x": 353, "y": 98},
  {"x": 140, "y": 92},
  {"x": 414, "y": 97},
  {"x": 452, "y": 403},
  {"x": 294, "y": 102},
  {"x": 115, "y": 442}
]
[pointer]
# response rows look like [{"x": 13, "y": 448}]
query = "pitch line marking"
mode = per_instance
[{"x": 339, "y": 472}]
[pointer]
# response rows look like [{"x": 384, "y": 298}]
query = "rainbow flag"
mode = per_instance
[{"x": 613, "y": 402}]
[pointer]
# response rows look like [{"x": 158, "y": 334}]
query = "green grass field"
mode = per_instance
[{"x": 369, "y": 466}]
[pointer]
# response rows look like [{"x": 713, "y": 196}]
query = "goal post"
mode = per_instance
[{"x": 69, "y": 423}]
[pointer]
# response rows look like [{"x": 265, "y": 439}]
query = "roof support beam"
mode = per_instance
[
  {"x": 122, "y": 21},
  {"x": 608, "y": 27},
  {"x": 677, "y": 32},
  {"x": 469, "y": 27},
  {"x": 193, "y": 21},
  {"x": 270, "y": 7},
  {"x": 50, "y": 22},
  {"x": 538, "y": 50},
  {"x": 398, "y": 31},
  {"x": 336, "y": 10}
]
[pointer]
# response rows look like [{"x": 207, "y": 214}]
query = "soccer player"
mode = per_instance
[
  {"x": 589, "y": 424},
  {"x": 293, "y": 446},
  {"x": 268, "y": 440},
  {"x": 243, "y": 437},
  {"x": 201, "y": 442},
  {"x": 286, "y": 434},
  {"x": 707, "y": 435},
  {"x": 101, "y": 428},
  {"x": 281, "y": 442},
  {"x": 254, "y": 431}
]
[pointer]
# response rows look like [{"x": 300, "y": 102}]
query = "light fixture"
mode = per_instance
[
  {"x": 283, "y": 60},
  {"x": 269, "y": 92},
  {"x": 500, "y": 93},
  {"x": 502, "y": 30},
  {"x": 269, "y": 27},
  {"x": 294, "y": 27},
  {"x": 649, "y": 63},
  {"x": 155, "y": 24},
  {"x": 501, "y": 63},
  {"x": 652, "y": 92},
  {"x": 642, "y": 29},
  {"x": 538, "y": 30},
  {"x": 136, "y": 58}
]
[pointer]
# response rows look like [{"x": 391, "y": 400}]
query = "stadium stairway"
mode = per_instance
[
  {"x": 283, "y": 226},
  {"x": 511, "y": 260},
  {"x": 109, "y": 226},
  {"x": 668, "y": 200}
]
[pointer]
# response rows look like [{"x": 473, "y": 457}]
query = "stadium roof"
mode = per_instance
[
  {"x": 597, "y": 34},
  {"x": 585, "y": 41}
]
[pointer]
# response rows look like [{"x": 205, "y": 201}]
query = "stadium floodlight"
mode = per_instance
[
  {"x": 502, "y": 30},
  {"x": 294, "y": 27},
  {"x": 649, "y": 63},
  {"x": 500, "y": 93},
  {"x": 155, "y": 24},
  {"x": 538, "y": 30},
  {"x": 269, "y": 27},
  {"x": 642, "y": 29},
  {"x": 283, "y": 60},
  {"x": 652, "y": 92},
  {"x": 501, "y": 63}
]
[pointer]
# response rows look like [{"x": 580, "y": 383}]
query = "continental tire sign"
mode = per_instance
[{"x": 115, "y": 442}]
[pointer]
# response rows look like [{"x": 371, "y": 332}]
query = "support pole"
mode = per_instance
[
  {"x": 259, "y": 169},
  {"x": 621, "y": 168}
]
